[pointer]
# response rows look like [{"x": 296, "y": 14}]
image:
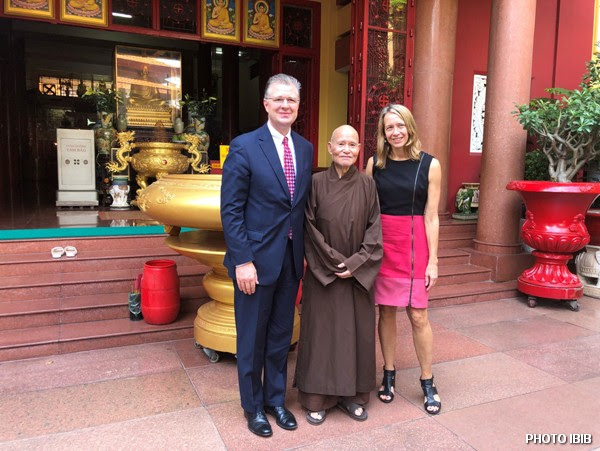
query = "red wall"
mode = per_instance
[
  {"x": 574, "y": 43},
  {"x": 562, "y": 45},
  {"x": 544, "y": 48},
  {"x": 472, "y": 34}
]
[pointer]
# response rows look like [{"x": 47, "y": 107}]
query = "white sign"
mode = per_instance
[
  {"x": 478, "y": 113},
  {"x": 76, "y": 169}
]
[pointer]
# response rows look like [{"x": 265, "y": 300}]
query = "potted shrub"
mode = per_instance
[
  {"x": 199, "y": 108},
  {"x": 566, "y": 128},
  {"x": 105, "y": 100}
]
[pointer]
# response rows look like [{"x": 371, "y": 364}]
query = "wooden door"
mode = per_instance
[{"x": 299, "y": 56}]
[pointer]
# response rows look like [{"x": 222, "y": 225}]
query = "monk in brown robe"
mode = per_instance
[{"x": 343, "y": 249}]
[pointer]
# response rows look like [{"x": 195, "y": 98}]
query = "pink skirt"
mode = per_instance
[{"x": 401, "y": 279}]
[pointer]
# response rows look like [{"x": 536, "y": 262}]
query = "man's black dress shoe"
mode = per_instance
[
  {"x": 258, "y": 423},
  {"x": 283, "y": 417}
]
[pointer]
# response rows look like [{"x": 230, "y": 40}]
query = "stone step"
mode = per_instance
[
  {"x": 457, "y": 226},
  {"x": 462, "y": 274},
  {"x": 453, "y": 257},
  {"x": 102, "y": 306},
  {"x": 456, "y": 240},
  {"x": 73, "y": 337},
  {"x": 467, "y": 293},
  {"x": 87, "y": 260},
  {"x": 45, "y": 286},
  {"x": 43, "y": 246},
  {"x": 53, "y": 306}
]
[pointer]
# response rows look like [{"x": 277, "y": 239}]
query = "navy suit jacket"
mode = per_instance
[{"x": 256, "y": 207}]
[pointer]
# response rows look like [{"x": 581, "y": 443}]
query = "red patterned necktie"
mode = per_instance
[
  {"x": 288, "y": 170},
  {"x": 288, "y": 166}
]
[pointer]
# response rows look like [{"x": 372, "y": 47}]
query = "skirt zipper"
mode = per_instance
[{"x": 412, "y": 236}]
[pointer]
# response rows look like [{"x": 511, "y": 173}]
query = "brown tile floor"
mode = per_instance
[{"x": 503, "y": 370}]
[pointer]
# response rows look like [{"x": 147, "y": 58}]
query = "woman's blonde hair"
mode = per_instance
[{"x": 413, "y": 145}]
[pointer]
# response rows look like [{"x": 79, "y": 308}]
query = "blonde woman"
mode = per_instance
[{"x": 408, "y": 186}]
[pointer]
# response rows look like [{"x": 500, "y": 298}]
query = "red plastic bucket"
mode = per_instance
[{"x": 160, "y": 292}]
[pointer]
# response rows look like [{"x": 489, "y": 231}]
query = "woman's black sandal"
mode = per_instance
[
  {"x": 389, "y": 380},
  {"x": 432, "y": 398}
]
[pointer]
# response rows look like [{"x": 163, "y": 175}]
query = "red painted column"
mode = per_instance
[
  {"x": 509, "y": 81},
  {"x": 435, "y": 39}
]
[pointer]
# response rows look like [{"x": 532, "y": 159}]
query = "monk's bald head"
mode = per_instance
[
  {"x": 344, "y": 130},
  {"x": 344, "y": 148}
]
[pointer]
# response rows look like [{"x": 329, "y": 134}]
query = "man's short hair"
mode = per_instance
[{"x": 283, "y": 79}]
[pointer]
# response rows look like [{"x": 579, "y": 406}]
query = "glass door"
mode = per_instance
[{"x": 382, "y": 74}]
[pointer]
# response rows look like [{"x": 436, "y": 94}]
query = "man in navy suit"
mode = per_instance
[{"x": 266, "y": 179}]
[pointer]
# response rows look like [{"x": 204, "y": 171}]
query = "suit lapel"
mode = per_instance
[{"x": 267, "y": 145}]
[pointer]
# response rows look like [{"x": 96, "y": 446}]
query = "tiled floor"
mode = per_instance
[{"x": 503, "y": 370}]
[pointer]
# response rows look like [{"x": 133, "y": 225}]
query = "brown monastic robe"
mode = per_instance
[{"x": 336, "y": 353}]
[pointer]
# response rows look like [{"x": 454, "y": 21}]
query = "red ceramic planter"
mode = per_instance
[{"x": 555, "y": 228}]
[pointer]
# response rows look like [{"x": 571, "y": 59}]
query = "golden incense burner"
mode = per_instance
[
  {"x": 194, "y": 200},
  {"x": 156, "y": 159}
]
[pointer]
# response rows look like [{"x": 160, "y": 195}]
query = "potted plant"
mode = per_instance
[
  {"x": 105, "y": 100},
  {"x": 566, "y": 128},
  {"x": 199, "y": 108},
  {"x": 467, "y": 201}
]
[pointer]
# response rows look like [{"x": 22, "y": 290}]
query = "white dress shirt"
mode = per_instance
[{"x": 278, "y": 140}]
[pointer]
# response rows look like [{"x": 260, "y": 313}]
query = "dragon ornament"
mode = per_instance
[
  {"x": 123, "y": 154},
  {"x": 197, "y": 147}
]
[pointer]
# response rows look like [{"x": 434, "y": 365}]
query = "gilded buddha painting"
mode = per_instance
[
  {"x": 262, "y": 18},
  {"x": 221, "y": 20},
  {"x": 89, "y": 12},
  {"x": 149, "y": 83},
  {"x": 30, "y": 8}
]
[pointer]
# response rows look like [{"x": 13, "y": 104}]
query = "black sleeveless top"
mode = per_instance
[{"x": 396, "y": 183}]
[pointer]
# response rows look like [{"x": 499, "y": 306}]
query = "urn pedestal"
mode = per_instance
[
  {"x": 554, "y": 226},
  {"x": 588, "y": 262},
  {"x": 588, "y": 270},
  {"x": 186, "y": 200}
]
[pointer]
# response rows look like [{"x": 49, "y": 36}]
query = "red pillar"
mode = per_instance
[
  {"x": 435, "y": 39},
  {"x": 509, "y": 80}
]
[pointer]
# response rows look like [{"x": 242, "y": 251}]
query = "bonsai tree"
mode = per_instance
[{"x": 566, "y": 126}]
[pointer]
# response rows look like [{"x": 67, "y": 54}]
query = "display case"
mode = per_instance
[{"x": 149, "y": 84}]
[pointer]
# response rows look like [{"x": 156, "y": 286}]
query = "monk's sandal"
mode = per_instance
[
  {"x": 432, "y": 399},
  {"x": 316, "y": 421}
]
